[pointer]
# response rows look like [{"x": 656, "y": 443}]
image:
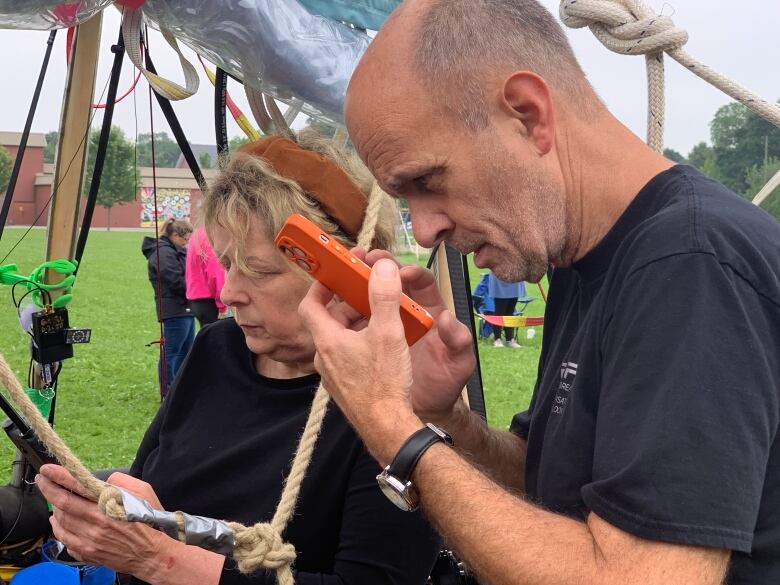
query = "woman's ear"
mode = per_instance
[{"x": 527, "y": 97}]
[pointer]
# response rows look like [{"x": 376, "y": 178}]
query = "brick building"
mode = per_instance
[{"x": 177, "y": 191}]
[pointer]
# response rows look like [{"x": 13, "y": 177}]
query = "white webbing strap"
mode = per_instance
[{"x": 131, "y": 32}]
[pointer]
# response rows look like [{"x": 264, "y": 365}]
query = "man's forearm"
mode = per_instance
[
  {"x": 508, "y": 541},
  {"x": 499, "y": 454}
]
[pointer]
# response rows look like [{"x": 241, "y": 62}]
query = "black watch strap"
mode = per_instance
[{"x": 410, "y": 452}]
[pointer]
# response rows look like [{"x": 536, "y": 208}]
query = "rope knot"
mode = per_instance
[
  {"x": 624, "y": 26},
  {"x": 261, "y": 546},
  {"x": 110, "y": 503}
]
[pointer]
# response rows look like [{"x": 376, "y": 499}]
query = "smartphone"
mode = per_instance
[
  {"x": 326, "y": 259},
  {"x": 29, "y": 444}
]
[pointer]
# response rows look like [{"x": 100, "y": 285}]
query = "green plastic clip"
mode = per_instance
[{"x": 9, "y": 275}]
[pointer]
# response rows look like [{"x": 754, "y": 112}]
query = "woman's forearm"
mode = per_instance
[{"x": 181, "y": 564}]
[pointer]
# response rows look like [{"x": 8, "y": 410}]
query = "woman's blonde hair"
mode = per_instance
[{"x": 249, "y": 187}]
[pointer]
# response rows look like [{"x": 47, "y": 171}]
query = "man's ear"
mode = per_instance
[{"x": 526, "y": 97}]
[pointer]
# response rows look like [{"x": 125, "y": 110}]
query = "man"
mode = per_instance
[{"x": 650, "y": 452}]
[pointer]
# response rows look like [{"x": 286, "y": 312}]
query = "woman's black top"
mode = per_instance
[
  {"x": 222, "y": 444},
  {"x": 172, "y": 286}
]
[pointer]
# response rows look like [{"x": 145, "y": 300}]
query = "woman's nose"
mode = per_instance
[{"x": 232, "y": 292}]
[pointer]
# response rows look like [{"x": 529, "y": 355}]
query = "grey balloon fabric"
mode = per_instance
[
  {"x": 47, "y": 14},
  {"x": 276, "y": 46}
]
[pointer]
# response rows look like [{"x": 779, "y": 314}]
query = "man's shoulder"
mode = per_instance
[{"x": 696, "y": 214}]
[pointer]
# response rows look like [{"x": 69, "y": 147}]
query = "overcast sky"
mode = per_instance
[{"x": 740, "y": 39}]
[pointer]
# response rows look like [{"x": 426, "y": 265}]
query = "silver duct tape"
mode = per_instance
[
  {"x": 213, "y": 535},
  {"x": 207, "y": 533}
]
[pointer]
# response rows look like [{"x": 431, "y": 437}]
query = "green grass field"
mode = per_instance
[{"x": 108, "y": 392}]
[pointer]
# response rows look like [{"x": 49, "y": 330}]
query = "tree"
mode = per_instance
[
  {"x": 320, "y": 126},
  {"x": 672, "y": 154},
  {"x": 205, "y": 161},
  {"x": 237, "y": 141},
  {"x": 6, "y": 166},
  {"x": 120, "y": 178},
  {"x": 166, "y": 151},
  {"x": 757, "y": 176},
  {"x": 740, "y": 141},
  {"x": 50, "y": 150},
  {"x": 703, "y": 158}
]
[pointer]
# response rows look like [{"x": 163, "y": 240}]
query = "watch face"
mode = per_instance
[{"x": 401, "y": 495}]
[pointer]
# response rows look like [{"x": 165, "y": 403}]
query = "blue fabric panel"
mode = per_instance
[{"x": 369, "y": 14}]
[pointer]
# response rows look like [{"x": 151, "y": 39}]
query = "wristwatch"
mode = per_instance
[{"x": 394, "y": 481}]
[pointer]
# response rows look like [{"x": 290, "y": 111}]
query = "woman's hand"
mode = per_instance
[{"x": 92, "y": 537}]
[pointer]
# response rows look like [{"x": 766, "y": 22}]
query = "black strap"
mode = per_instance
[
  {"x": 464, "y": 311},
  {"x": 178, "y": 133},
  {"x": 220, "y": 114},
  {"x": 410, "y": 452},
  {"x": 100, "y": 155},
  {"x": 458, "y": 267},
  {"x": 9, "y": 193}
]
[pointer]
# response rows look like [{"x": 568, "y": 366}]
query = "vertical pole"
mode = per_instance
[
  {"x": 73, "y": 143},
  {"x": 766, "y": 158}
]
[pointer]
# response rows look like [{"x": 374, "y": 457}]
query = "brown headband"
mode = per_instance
[{"x": 320, "y": 178}]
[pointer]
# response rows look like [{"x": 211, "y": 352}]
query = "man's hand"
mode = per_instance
[
  {"x": 367, "y": 366},
  {"x": 92, "y": 537},
  {"x": 367, "y": 372},
  {"x": 443, "y": 359}
]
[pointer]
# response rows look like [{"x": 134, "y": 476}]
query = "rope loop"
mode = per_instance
[
  {"x": 629, "y": 27},
  {"x": 624, "y": 26}
]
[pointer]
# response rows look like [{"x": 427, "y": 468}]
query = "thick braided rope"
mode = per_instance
[
  {"x": 258, "y": 546},
  {"x": 53, "y": 443},
  {"x": 631, "y": 28}
]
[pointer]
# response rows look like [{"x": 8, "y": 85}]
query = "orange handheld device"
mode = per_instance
[{"x": 337, "y": 268}]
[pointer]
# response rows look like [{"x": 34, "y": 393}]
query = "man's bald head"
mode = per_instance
[{"x": 454, "y": 48}]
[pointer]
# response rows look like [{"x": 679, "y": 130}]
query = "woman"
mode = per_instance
[
  {"x": 223, "y": 440},
  {"x": 170, "y": 295},
  {"x": 204, "y": 276}
]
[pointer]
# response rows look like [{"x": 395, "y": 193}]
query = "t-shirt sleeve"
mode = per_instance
[
  {"x": 521, "y": 422},
  {"x": 688, "y": 406}
]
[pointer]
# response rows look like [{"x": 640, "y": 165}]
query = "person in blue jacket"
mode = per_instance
[{"x": 505, "y": 295}]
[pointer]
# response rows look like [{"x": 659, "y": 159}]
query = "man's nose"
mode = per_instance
[{"x": 429, "y": 226}]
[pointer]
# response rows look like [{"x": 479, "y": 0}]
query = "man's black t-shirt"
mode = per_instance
[
  {"x": 658, "y": 397},
  {"x": 222, "y": 444}
]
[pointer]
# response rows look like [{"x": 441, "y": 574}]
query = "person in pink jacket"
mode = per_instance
[{"x": 204, "y": 276}]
